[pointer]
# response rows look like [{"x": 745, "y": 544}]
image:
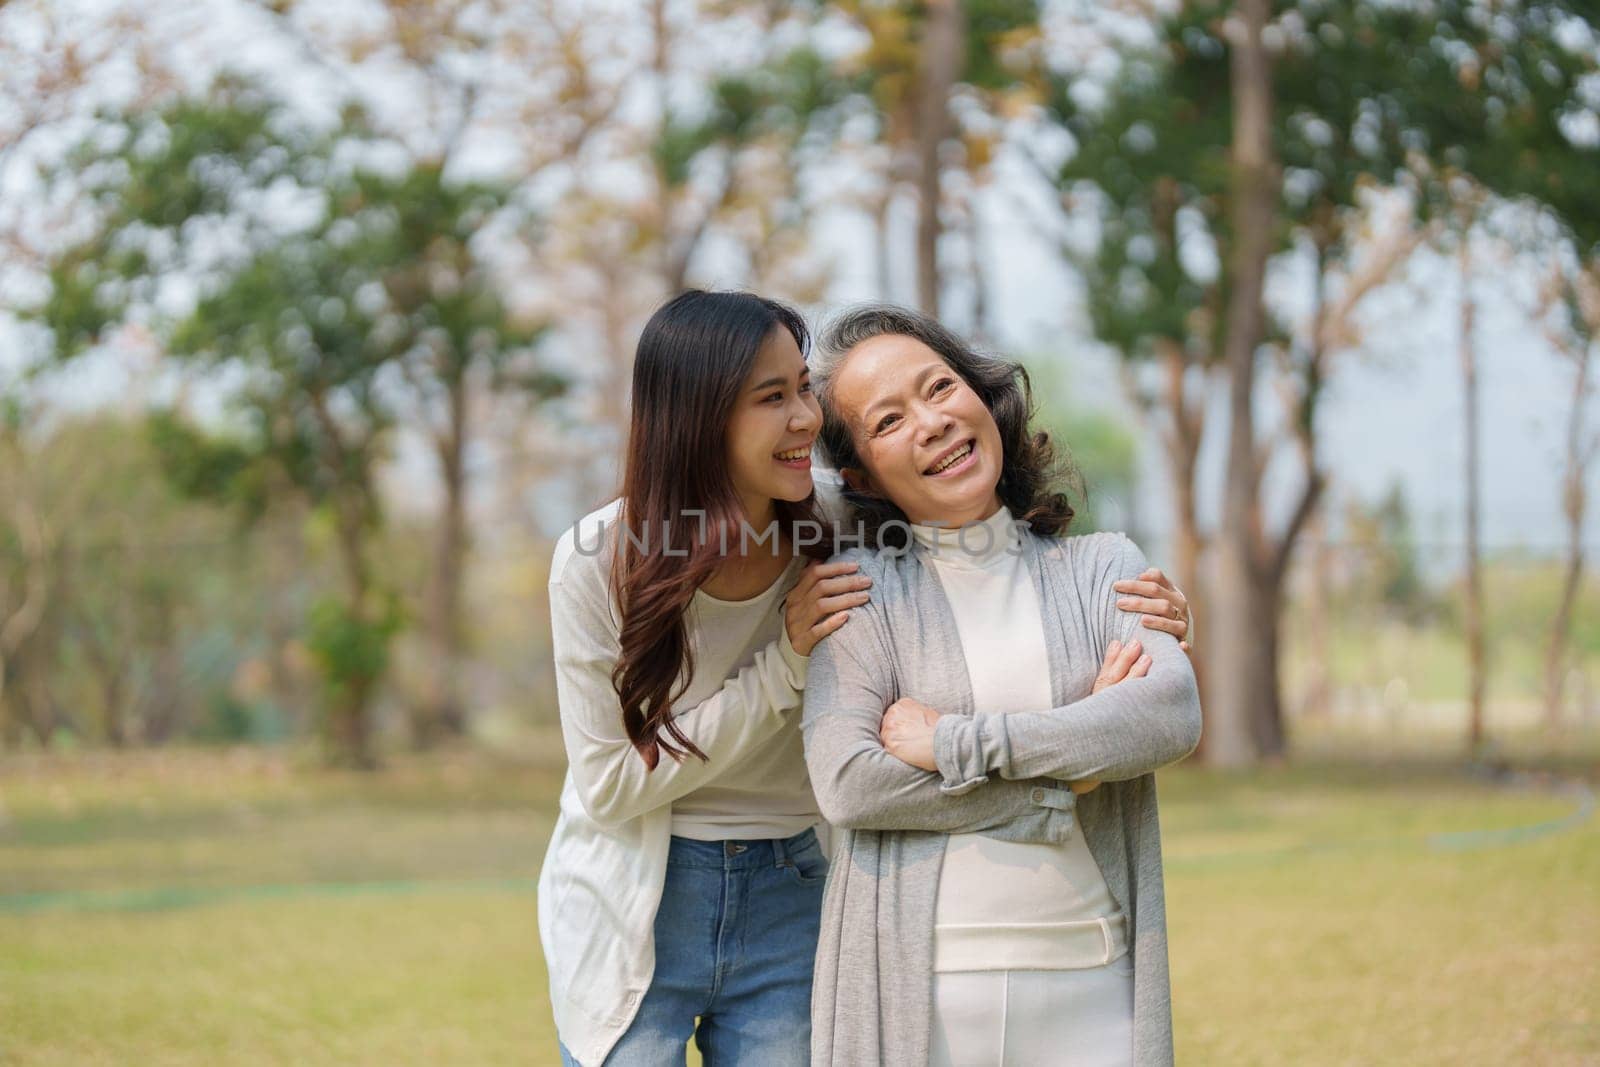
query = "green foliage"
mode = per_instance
[
  {"x": 351, "y": 648},
  {"x": 205, "y": 466},
  {"x": 994, "y": 29},
  {"x": 1100, "y": 452},
  {"x": 337, "y": 297},
  {"x": 780, "y": 99},
  {"x": 1389, "y": 572},
  {"x": 1364, "y": 92},
  {"x": 127, "y": 570}
]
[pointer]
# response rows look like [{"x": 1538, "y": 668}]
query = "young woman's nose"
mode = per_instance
[{"x": 804, "y": 417}]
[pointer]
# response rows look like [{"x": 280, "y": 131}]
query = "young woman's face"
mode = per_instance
[
  {"x": 774, "y": 422},
  {"x": 926, "y": 439}
]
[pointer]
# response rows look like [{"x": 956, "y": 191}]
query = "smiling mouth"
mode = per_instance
[
  {"x": 793, "y": 455},
  {"x": 955, "y": 457}
]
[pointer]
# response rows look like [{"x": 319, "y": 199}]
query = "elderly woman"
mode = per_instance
[{"x": 987, "y": 902}]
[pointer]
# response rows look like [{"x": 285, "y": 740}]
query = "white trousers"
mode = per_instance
[{"x": 1081, "y": 1018}]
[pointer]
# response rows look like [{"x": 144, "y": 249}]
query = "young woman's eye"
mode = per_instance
[
  {"x": 770, "y": 397},
  {"x": 805, "y": 387}
]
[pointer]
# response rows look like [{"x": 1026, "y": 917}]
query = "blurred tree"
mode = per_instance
[
  {"x": 1570, "y": 314},
  {"x": 135, "y": 555},
  {"x": 705, "y": 179},
  {"x": 1389, "y": 572},
  {"x": 461, "y": 344},
  {"x": 50, "y": 64},
  {"x": 1100, "y": 452},
  {"x": 1541, "y": 147},
  {"x": 94, "y": 649},
  {"x": 936, "y": 84},
  {"x": 50, "y": 68},
  {"x": 30, "y": 578},
  {"x": 1527, "y": 82},
  {"x": 1469, "y": 202},
  {"x": 534, "y": 83},
  {"x": 324, "y": 321},
  {"x": 1245, "y": 131}
]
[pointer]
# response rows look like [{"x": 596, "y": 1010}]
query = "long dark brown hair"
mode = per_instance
[
  {"x": 1036, "y": 484},
  {"x": 692, "y": 361}
]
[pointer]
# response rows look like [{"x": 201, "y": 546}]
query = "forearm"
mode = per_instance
[
  {"x": 1123, "y": 731},
  {"x": 613, "y": 780},
  {"x": 862, "y": 787}
]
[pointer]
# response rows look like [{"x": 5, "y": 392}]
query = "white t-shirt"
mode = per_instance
[{"x": 766, "y": 793}]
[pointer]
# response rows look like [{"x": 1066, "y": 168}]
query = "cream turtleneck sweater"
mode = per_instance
[{"x": 1006, "y": 905}]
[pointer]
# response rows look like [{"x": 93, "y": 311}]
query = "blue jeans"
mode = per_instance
[{"x": 736, "y": 939}]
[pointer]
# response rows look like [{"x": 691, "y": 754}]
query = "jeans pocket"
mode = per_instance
[{"x": 806, "y": 863}]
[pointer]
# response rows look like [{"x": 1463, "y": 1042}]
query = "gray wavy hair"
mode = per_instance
[{"x": 1034, "y": 484}]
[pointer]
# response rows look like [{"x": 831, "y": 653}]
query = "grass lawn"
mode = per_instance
[{"x": 223, "y": 908}]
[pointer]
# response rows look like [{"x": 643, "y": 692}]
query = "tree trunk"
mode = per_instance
[
  {"x": 982, "y": 310},
  {"x": 1473, "y": 608},
  {"x": 943, "y": 47},
  {"x": 161, "y": 702},
  {"x": 349, "y": 729},
  {"x": 1266, "y": 720},
  {"x": 1182, "y": 449},
  {"x": 1318, "y": 700},
  {"x": 880, "y": 237},
  {"x": 1243, "y": 683},
  {"x": 347, "y": 706},
  {"x": 111, "y": 670},
  {"x": 442, "y": 714},
  {"x": 286, "y": 567},
  {"x": 1574, "y": 500}
]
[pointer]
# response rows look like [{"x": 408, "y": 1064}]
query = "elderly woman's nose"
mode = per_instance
[{"x": 931, "y": 422}]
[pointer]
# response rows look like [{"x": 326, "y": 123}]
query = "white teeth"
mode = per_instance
[
  {"x": 953, "y": 459},
  {"x": 799, "y": 453}
]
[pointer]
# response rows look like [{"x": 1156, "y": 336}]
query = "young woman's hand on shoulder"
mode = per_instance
[
  {"x": 1162, "y": 604},
  {"x": 819, "y": 603}
]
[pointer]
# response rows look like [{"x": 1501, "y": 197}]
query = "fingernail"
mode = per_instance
[{"x": 1125, "y": 602}]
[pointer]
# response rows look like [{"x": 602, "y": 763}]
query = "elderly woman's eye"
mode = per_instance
[
  {"x": 884, "y": 423},
  {"x": 942, "y": 385}
]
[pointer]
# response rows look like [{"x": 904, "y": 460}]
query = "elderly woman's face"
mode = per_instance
[{"x": 926, "y": 439}]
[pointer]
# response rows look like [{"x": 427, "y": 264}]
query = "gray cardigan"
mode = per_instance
[{"x": 1002, "y": 775}]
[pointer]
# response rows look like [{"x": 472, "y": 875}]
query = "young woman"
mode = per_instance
[
  {"x": 684, "y": 878},
  {"x": 1028, "y": 927}
]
